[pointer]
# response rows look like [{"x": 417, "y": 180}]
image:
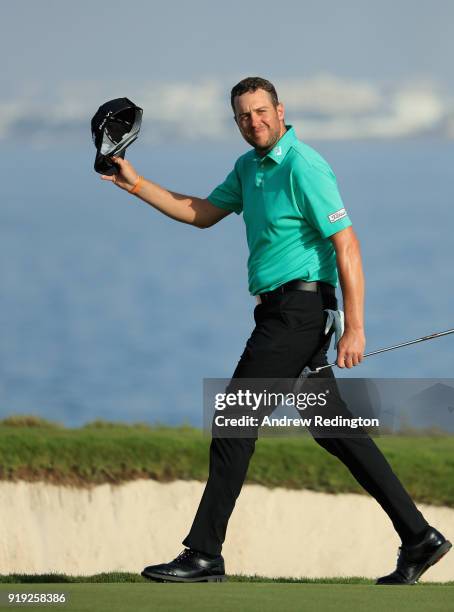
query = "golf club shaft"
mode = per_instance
[{"x": 392, "y": 348}]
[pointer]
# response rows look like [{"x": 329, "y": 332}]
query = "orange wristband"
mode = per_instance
[{"x": 137, "y": 185}]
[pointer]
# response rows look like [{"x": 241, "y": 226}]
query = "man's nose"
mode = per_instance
[{"x": 255, "y": 120}]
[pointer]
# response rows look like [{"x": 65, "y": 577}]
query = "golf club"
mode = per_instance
[{"x": 308, "y": 372}]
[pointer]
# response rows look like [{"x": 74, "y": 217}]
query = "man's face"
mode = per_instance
[{"x": 261, "y": 124}]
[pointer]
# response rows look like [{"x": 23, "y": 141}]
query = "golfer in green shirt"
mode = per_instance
[{"x": 301, "y": 242}]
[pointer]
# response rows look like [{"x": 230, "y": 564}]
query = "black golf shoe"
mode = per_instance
[
  {"x": 413, "y": 561},
  {"x": 189, "y": 566}
]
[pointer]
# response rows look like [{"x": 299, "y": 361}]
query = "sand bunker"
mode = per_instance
[{"x": 273, "y": 532}]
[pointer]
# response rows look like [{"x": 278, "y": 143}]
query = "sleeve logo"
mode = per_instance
[{"x": 339, "y": 214}]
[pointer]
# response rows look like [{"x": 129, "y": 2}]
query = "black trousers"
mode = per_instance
[{"x": 289, "y": 334}]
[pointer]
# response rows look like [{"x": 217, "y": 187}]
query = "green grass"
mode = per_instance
[
  {"x": 247, "y": 596},
  {"x": 119, "y": 577},
  {"x": 32, "y": 449}
]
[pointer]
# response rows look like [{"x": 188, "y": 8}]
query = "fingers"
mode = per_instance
[
  {"x": 340, "y": 360},
  {"x": 350, "y": 350},
  {"x": 125, "y": 176},
  {"x": 344, "y": 362},
  {"x": 112, "y": 178},
  {"x": 348, "y": 360}
]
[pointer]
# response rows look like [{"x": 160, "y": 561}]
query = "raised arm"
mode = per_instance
[
  {"x": 187, "y": 209},
  {"x": 351, "y": 346}
]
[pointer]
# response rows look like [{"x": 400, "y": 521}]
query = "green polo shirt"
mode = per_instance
[{"x": 291, "y": 205}]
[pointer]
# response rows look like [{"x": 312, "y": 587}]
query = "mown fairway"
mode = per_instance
[{"x": 238, "y": 596}]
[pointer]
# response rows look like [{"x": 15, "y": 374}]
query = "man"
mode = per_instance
[{"x": 300, "y": 240}]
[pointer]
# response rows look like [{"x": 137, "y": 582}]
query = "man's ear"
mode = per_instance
[
  {"x": 280, "y": 111},
  {"x": 235, "y": 119}
]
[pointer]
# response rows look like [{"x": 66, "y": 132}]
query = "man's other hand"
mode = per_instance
[
  {"x": 350, "y": 349},
  {"x": 126, "y": 177}
]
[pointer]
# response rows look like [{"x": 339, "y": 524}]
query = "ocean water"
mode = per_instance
[{"x": 111, "y": 310}]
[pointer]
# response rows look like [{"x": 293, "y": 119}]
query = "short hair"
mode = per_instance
[{"x": 251, "y": 84}]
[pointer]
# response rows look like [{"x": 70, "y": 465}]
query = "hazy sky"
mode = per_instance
[
  {"x": 53, "y": 40},
  {"x": 346, "y": 70}
]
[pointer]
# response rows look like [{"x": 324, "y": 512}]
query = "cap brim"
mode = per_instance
[{"x": 103, "y": 165}]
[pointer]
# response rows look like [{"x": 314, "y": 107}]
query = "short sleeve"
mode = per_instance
[
  {"x": 320, "y": 201},
  {"x": 228, "y": 195}
]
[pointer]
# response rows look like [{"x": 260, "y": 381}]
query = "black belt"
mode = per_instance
[{"x": 299, "y": 285}]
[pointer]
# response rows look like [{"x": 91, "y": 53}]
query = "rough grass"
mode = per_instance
[{"x": 33, "y": 449}]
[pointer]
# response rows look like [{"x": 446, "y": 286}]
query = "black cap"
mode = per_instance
[{"x": 114, "y": 127}]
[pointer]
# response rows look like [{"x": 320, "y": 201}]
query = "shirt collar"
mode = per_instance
[{"x": 280, "y": 149}]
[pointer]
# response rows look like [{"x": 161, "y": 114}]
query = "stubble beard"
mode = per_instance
[{"x": 263, "y": 150}]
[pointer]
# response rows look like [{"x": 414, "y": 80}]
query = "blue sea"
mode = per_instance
[{"x": 109, "y": 309}]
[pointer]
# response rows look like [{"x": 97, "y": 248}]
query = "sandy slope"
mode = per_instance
[{"x": 273, "y": 532}]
